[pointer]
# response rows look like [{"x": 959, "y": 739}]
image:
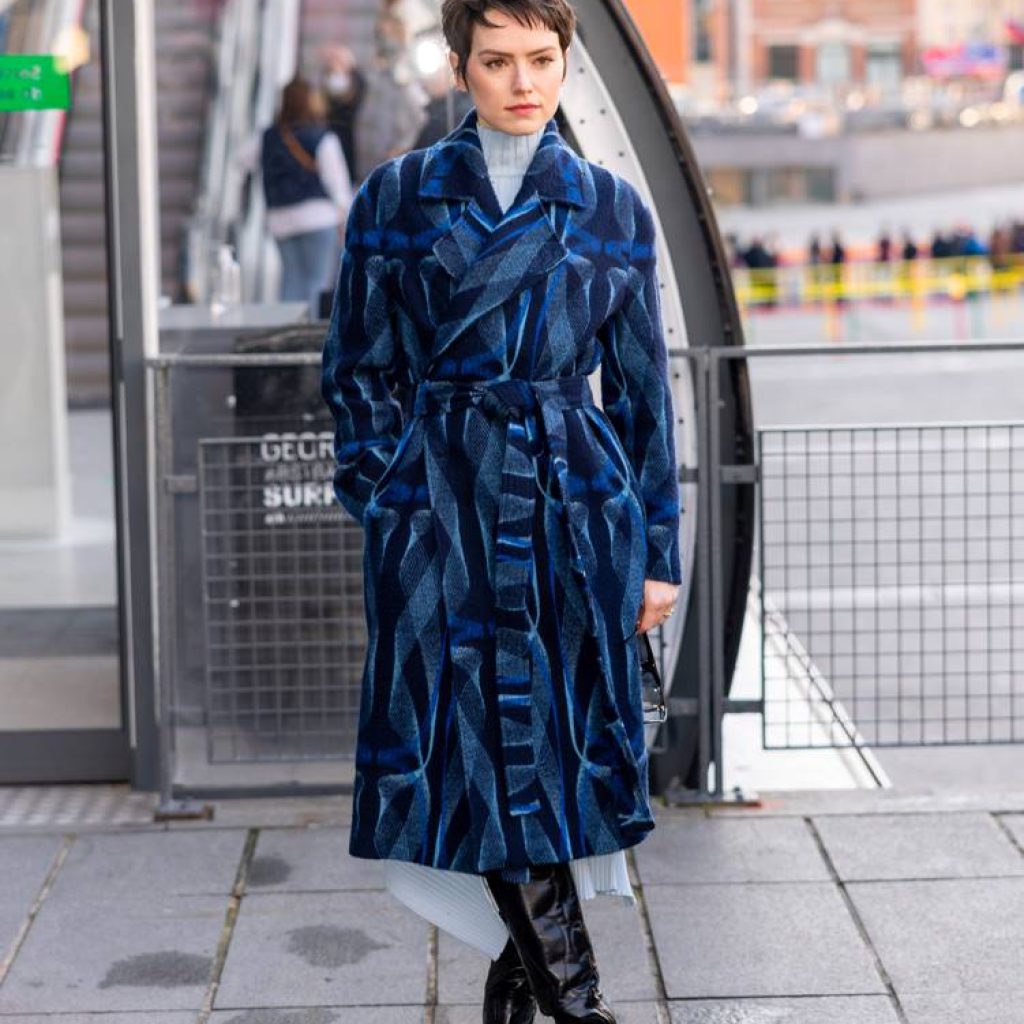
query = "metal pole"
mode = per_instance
[
  {"x": 676, "y": 794},
  {"x": 165, "y": 526},
  {"x": 166, "y": 681},
  {"x": 132, "y": 271},
  {"x": 717, "y": 636}
]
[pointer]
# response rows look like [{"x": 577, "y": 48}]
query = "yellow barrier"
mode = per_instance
[{"x": 956, "y": 278}]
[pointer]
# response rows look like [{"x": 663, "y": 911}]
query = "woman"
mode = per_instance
[
  {"x": 516, "y": 535},
  {"x": 308, "y": 193}
]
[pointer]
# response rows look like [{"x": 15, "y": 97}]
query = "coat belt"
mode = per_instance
[{"x": 515, "y": 402}]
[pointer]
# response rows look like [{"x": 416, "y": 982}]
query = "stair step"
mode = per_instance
[
  {"x": 184, "y": 73},
  {"x": 180, "y": 132},
  {"x": 86, "y": 297},
  {"x": 82, "y": 194},
  {"x": 84, "y": 262},
  {"x": 86, "y": 334},
  {"x": 83, "y": 227}
]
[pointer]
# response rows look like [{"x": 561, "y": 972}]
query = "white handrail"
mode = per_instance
[
  {"x": 257, "y": 55},
  {"x": 278, "y": 62}
]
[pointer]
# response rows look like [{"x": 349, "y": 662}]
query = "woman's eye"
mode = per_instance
[{"x": 493, "y": 63}]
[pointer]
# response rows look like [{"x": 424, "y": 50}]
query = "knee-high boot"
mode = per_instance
[
  {"x": 545, "y": 920},
  {"x": 507, "y": 995}
]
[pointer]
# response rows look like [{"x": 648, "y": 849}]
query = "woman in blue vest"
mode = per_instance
[
  {"x": 308, "y": 192},
  {"x": 516, "y": 535}
]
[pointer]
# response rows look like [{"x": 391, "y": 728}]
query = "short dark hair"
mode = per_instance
[{"x": 460, "y": 17}]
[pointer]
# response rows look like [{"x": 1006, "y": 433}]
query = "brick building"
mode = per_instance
[{"x": 711, "y": 44}]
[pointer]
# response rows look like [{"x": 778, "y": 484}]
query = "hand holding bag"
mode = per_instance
[{"x": 655, "y": 709}]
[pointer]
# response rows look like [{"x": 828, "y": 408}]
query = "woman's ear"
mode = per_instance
[{"x": 453, "y": 63}]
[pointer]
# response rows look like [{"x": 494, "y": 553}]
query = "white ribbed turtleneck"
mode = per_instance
[{"x": 508, "y": 157}]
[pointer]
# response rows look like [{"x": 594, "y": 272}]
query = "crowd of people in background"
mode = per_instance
[
  {"x": 887, "y": 264},
  {"x": 1004, "y": 246}
]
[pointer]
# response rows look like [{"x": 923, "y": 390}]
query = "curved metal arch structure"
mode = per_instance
[{"x": 616, "y": 111}]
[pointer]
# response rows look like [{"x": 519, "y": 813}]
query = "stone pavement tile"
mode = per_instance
[
  {"x": 784, "y": 938},
  {"x": 308, "y": 859},
  {"x": 1014, "y": 823},
  {"x": 884, "y": 846},
  {"x": 947, "y": 936},
  {"x": 616, "y": 931},
  {"x": 127, "y": 954},
  {"x": 141, "y": 1017},
  {"x": 322, "y": 1015},
  {"x": 727, "y": 850},
  {"x": 895, "y": 800},
  {"x": 324, "y": 949},
  {"x": 24, "y": 862},
  {"x": 130, "y": 865},
  {"x": 625, "y": 1013},
  {"x": 812, "y": 1010},
  {"x": 271, "y": 812},
  {"x": 963, "y": 1008}
]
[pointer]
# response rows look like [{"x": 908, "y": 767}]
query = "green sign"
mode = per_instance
[{"x": 33, "y": 83}]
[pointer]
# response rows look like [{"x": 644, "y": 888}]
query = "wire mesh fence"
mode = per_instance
[
  {"x": 282, "y": 590},
  {"x": 890, "y": 571}
]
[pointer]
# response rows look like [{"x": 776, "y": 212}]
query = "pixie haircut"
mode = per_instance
[{"x": 460, "y": 17}]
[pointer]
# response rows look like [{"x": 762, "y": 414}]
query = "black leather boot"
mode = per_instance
[
  {"x": 545, "y": 920},
  {"x": 507, "y": 995}
]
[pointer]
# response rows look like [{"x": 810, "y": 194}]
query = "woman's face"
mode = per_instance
[{"x": 514, "y": 74}]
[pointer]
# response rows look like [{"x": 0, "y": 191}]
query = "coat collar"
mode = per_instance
[
  {"x": 455, "y": 168},
  {"x": 492, "y": 256}
]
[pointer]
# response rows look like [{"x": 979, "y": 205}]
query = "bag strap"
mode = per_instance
[{"x": 296, "y": 149}]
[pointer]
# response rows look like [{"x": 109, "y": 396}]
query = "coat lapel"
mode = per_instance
[{"x": 489, "y": 255}]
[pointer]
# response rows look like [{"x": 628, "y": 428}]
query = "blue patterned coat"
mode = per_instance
[{"x": 509, "y": 523}]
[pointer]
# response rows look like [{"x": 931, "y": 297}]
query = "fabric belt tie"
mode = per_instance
[{"x": 515, "y": 402}]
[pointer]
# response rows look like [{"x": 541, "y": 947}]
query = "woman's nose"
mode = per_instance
[{"x": 522, "y": 80}]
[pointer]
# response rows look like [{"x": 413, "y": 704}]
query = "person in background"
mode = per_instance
[
  {"x": 837, "y": 257},
  {"x": 345, "y": 88},
  {"x": 814, "y": 260},
  {"x": 438, "y": 125},
  {"x": 909, "y": 247},
  {"x": 882, "y": 291},
  {"x": 884, "y": 247},
  {"x": 940, "y": 247},
  {"x": 308, "y": 191},
  {"x": 393, "y": 112}
]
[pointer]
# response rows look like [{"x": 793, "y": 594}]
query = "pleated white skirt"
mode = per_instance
[{"x": 463, "y": 906}]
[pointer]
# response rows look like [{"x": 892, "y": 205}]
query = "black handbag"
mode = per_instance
[{"x": 655, "y": 709}]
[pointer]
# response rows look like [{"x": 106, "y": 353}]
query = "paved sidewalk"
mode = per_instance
[{"x": 838, "y": 907}]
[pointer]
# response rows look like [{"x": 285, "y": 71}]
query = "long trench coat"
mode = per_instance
[{"x": 509, "y": 521}]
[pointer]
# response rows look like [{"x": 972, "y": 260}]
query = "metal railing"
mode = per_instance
[
  {"x": 847, "y": 708},
  {"x": 894, "y": 556},
  {"x": 887, "y": 592}
]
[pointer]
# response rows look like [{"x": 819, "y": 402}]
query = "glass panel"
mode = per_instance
[
  {"x": 884, "y": 66},
  {"x": 783, "y": 62},
  {"x": 833, "y": 63},
  {"x": 59, "y": 642}
]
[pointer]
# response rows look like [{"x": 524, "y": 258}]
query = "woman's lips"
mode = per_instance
[{"x": 526, "y": 108}]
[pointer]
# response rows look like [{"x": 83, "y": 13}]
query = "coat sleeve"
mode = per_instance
[
  {"x": 636, "y": 398},
  {"x": 359, "y": 361}
]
